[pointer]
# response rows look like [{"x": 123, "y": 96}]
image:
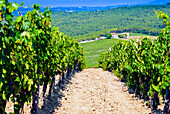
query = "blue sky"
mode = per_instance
[{"x": 53, "y": 3}]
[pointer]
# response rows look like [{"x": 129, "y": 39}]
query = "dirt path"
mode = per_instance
[
  {"x": 96, "y": 91},
  {"x": 90, "y": 91}
]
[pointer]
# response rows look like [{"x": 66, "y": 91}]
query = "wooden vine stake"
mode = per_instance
[{"x": 167, "y": 96}]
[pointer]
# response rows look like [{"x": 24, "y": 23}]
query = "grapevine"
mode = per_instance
[
  {"x": 144, "y": 65},
  {"x": 32, "y": 54}
]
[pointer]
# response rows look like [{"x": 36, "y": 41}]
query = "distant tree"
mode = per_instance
[
  {"x": 109, "y": 36},
  {"x": 105, "y": 35},
  {"x": 93, "y": 37},
  {"x": 122, "y": 36},
  {"x": 98, "y": 36},
  {"x": 87, "y": 38}
]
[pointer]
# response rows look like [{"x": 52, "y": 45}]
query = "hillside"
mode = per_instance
[{"x": 135, "y": 19}]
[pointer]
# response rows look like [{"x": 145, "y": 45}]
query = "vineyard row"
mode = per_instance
[
  {"x": 144, "y": 65},
  {"x": 32, "y": 54}
]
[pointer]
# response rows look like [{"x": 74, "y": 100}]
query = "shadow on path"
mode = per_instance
[{"x": 54, "y": 102}]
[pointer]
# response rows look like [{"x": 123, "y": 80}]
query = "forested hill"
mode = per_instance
[{"x": 86, "y": 24}]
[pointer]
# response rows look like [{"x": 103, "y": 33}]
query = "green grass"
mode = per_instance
[
  {"x": 138, "y": 34},
  {"x": 94, "y": 49}
]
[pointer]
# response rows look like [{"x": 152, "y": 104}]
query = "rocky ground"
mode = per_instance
[{"x": 96, "y": 91}]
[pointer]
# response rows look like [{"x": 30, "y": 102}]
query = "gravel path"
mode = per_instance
[
  {"x": 90, "y": 91},
  {"x": 97, "y": 91}
]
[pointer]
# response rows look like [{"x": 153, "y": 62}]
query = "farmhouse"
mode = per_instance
[
  {"x": 117, "y": 35},
  {"x": 114, "y": 35}
]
